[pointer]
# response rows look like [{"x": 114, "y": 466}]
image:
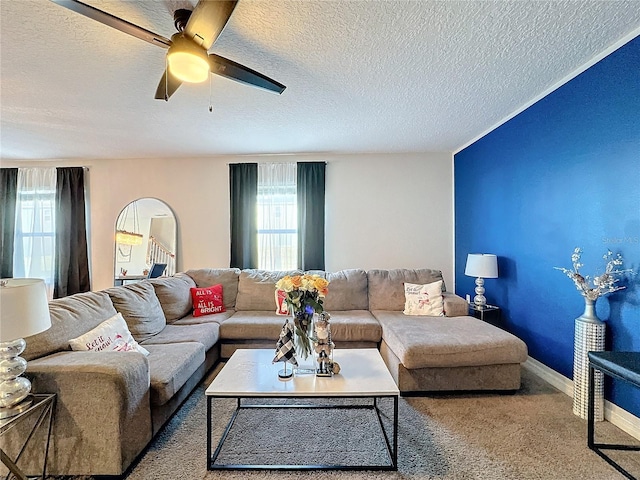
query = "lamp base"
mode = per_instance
[
  {"x": 480, "y": 299},
  {"x": 7, "y": 412},
  {"x": 14, "y": 388}
]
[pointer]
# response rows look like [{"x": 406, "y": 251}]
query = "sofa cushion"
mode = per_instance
[
  {"x": 256, "y": 287},
  {"x": 347, "y": 290},
  {"x": 204, "y": 333},
  {"x": 354, "y": 326},
  {"x": 422, "y": 341},
  {"x": 174, "y": 295},
  {"x": 70, "y": 317},
  {"x": 228, "y": 277},
  {"x": 140, "y": 308},
  {"x": 386, "y": 287},
  {"x": 248, "y": 325},
  {"x": 213, "y": 318},
  {"x": 170, "y": 366}
]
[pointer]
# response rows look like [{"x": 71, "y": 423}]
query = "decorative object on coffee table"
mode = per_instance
[
  {"x": 323, "y": 345},
  {"x": 589, "y": 329},
  {"x": 304, "y": 295},
  {"x": 481, "y": 265},
  {"x": 285, "y": 351}
]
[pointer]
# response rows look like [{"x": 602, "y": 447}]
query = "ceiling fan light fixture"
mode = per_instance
[{"x": 187, "y": 61}]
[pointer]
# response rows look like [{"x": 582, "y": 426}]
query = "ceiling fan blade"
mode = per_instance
[
  {"x": 114, "y": 22},
  {"x": 164, "y": 91},
  {"x": 234, "y": 71},
  {"x": 208, "y": 20}
]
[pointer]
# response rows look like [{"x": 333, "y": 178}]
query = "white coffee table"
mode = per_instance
[{"x": 249, "y": 373}]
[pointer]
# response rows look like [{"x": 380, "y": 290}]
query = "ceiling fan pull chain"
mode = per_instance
[
  {"x": 210, "y": 93},
  {"x": 166, "y": 78}
]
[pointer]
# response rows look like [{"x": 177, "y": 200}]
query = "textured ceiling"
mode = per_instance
[{"x": 361, "y": 76}]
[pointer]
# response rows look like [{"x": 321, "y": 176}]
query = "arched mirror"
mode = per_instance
[{"x": 145, "y": 241}]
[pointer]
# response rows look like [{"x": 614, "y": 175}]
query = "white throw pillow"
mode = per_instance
[
  {"x": 112, "y": 335},
  {"x": 423, "y": 299}
]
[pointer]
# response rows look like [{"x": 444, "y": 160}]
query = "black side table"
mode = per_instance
[
  {"x": 487, "y": 313},
  {"x": 624, "y": 366},
  {"x": 26, "y": 427}
]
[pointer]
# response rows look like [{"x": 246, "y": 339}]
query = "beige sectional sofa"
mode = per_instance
[{"x": 109, "y": 405}]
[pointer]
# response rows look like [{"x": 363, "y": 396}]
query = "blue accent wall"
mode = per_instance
[{"x": 564, "y": 173}]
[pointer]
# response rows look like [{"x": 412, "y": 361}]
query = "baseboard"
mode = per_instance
[
  {"x": 619, "y": 417},
  {"x": 549, "y": 375}
]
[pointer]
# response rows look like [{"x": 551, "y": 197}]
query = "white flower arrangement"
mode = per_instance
[{"x": 600, "y": 285}]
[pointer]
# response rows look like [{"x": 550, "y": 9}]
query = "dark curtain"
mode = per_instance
[
  {"x": 243, "y": 185},
  {"x": 8, "y": 197},
  {"x": 310, "y": 187},
  {"x": 71, "y": 258}
]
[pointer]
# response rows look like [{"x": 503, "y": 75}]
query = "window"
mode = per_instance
[
  {"x": 277, "y": 216},
  {"x": 34, "y": 246}
]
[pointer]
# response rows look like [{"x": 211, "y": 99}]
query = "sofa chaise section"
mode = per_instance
[
  {"x": 449, "y": 353},
  {"x": 435, "y": 353}
]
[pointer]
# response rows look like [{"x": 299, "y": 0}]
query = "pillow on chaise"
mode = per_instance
[{"x": 423, "y": 299}]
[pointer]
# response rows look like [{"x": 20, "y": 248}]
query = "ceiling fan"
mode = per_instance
[{"x": 188, "y": 59}]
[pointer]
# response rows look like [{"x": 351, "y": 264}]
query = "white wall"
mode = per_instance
[
  {"x": 390, "y": 211},
  {"x": 383, "y": 210}
]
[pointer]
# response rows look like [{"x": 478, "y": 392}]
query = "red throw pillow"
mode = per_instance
[
  {"x": 281, "y": 305},
  {"x": 207, "y": 300}
]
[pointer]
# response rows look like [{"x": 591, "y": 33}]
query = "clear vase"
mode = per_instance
[
  {"x": 589, "y": 336},
  {"x": 303, "y": 343}
]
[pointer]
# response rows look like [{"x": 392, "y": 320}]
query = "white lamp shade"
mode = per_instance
[
  {"x": 24, "y": 308},
  {"x": 482, "y": 265}
]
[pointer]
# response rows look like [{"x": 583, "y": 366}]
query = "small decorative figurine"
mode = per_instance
[
  {"x": 285, "y": 350},
  {"x": 324, "y": 346}
]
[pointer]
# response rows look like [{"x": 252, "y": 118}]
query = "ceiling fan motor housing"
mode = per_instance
[{"x": 180, "y": 18}]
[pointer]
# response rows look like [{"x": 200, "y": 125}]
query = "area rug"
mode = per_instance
[{"x": 529, "y": 435}]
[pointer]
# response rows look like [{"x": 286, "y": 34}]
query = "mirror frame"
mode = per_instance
[{"x": 160, "y": 251}]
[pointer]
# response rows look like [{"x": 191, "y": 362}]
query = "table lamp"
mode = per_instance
[
  {"x": 24, "y": 311},
  {"x": 481, "y": 265}
]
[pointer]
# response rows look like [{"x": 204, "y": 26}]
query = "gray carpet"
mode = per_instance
[{"x": 530, "y": 435}]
